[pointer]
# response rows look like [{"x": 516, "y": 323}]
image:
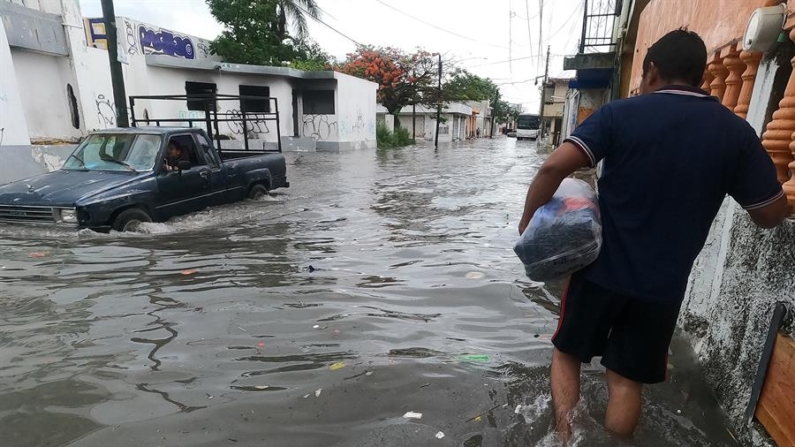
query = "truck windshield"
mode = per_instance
[
  {"x": 115, "y": 152},
  {"x": 528, "y": 122}
]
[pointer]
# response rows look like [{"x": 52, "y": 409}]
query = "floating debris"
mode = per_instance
[
  {"x": 261, "y": 344},
  {"x": 189, "y": 272},
  {"x": 317, "y": 393},
  {"x": 311, "y": 269},
  {"x": 474, "y": 358},
  {"x": 306, "y": 396},
  {"x": 39, "y": 254},
  {"x": 336, "y": 366},
  {"x": 475, "y": 275},
  {"x": 439, "y": 435},
  {"x": 261, "y": 387},
  {"x": 317, "y": 326},
  {"x": 368, "y": 373},
  {"x": 412, "y": 415}
]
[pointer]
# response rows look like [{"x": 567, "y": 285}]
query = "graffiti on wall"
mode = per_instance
[
  {"x": 319, "y": 127},
  {"x": 106, "y": 112},
  {"x": 161, "y": 41},
  {"x": 132, "y": 45},
  {"x": 204, "y": 48},
  {"x": 95, "y": 33},
  {"x": 97, "y": 37},
  {"x": 357, "y": 129},
  {"x": 256, "y": 125},
  {"x": 197, "y": 118}
]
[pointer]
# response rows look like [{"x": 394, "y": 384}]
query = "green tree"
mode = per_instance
[
  {"x": 310, "y": 56},
  {"x": 255, "y": 32},
  {"x": 295, "y": 11},
  {"x": 248, "y": 36},
  {"x": 465, "y": 86}
]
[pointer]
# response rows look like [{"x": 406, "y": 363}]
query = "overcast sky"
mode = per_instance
[{"x": 478, "y": 33}]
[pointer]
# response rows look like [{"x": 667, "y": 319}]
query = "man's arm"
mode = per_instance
[
  {"x": 563, "y": 162},
  {"x": 771, "y": 215}
]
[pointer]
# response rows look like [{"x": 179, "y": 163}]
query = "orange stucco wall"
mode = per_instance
[{"x": 718, "y": 22}]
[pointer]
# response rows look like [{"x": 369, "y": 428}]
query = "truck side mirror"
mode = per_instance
[{"x": 183, "y": 165}]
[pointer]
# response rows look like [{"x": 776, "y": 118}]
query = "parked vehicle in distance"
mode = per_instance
[
  {"x": 511, "y": 133},
  {"x": 118, "y": 178},
  {"x": 527, "y": 126}
]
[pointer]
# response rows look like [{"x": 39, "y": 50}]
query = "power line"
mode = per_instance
[
  {"x": 529, "y": 32},
  {"x": 511, "y": 15},
  {"x": 571, "y": 16},
  {"x": 540, "y": 30},
  {"x": 440, "y": 28},
  {"x": 512, "y": 60},
  {"x": 327, "y": 25}
]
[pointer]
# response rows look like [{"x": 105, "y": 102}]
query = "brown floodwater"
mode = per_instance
[{"x": 382, "y": 283}]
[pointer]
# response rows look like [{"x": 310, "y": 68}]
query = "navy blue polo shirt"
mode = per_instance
[{"x": 670, "y": 159}]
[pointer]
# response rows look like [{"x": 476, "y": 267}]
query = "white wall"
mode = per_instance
[
  {"x": 405, "y": 122},
  {"x": 13, "y": 127},
  {"x": 42, "y": 82},
  {"x": 355, "y": 107}
]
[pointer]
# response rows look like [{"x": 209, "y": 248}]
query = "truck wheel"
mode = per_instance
[
  {"x": 129, "y": 220},
  {"x": 257, "y": 192}
]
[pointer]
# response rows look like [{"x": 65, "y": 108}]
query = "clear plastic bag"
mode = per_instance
[{"x": 564, "y": 235}]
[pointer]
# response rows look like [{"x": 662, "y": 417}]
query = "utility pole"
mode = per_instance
[
  {"x": 116, "y": 75},
  {"x": 414, "y": 119},
  {"x": 544, "y": 94},
  {"x": 439, "y": 106},
  {"x": 494, "y": 112}
]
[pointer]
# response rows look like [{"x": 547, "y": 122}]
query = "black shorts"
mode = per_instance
[{"x": 631, "y": 335}]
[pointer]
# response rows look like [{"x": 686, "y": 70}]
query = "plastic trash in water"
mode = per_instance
[
  {"x": 336, "y": 366},
  {"x": 474, "y": 358},
  {"x": 564, "y": 235},
  {"x": 189, "y": 272},
  {"x": 38, "y": 254},
  {"x": 439, "y": 435},
  {"x": 475, "y": 275},
  {"x": 317, "y": 393},
  {"x": 412, "y": 415}
]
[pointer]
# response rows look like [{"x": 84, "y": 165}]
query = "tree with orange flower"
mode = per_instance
[{"x": 402, "y": 78}]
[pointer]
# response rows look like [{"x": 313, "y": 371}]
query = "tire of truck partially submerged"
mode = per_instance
[
  {"x": 130, "y": 219},
  {"x": 257, "y": 192}
]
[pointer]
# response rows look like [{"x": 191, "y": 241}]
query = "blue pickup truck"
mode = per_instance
[{"x": 117, "y": 179}]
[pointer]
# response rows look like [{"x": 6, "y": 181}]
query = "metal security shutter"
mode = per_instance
[{"x": 456, "y": 128}]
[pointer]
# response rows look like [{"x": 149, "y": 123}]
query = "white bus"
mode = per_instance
[{"x": 527, "y": 126}]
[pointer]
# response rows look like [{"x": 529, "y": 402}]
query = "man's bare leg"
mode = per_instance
[
  {"x": 624, "y": 405},
  {"x": 565, "y": 390}
]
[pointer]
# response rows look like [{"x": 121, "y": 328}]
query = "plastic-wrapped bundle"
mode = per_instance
[{"x": 564, "y": 235}]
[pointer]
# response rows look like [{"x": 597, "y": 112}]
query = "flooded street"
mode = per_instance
[{"x": 381, "y": 283}]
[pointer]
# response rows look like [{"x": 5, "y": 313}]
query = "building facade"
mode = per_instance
[
  {"x": 553, "y": 109},
  {"x": 55, "y": 87},
  {"x": 454, "y": 124}
]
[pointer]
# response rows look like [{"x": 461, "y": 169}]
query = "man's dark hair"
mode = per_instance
[{"x": 679, "y": 56}]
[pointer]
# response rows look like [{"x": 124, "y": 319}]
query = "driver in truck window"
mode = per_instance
[{"x": 176, "y": 153}]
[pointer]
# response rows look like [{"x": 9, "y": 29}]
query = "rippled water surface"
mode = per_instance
[{"x": 381, "y": 283}]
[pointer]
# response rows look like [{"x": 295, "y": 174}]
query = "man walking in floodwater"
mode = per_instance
[{"x": 670, "y": 157}]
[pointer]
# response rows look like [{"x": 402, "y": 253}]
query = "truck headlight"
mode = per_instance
[{"x": 69, "y": 216}]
